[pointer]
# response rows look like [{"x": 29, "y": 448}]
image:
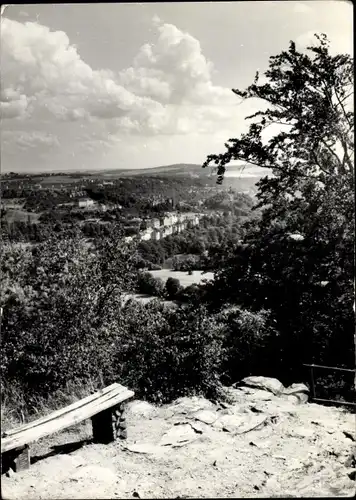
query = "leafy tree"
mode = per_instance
[
  {"x": 150, "y": 285},
  {"x": 297, "y": 258},
  {"x": 61, "y": 300},
  {"x": 173, "y": 287}
]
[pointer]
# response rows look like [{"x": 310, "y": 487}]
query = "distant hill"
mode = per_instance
[{"x": 234, "y": 179}]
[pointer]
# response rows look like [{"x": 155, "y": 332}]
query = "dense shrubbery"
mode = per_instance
[
  {"x": 165, "y": 354},
  {"x": 150, "y": 285},
  {"x": 61, "y": 302}
]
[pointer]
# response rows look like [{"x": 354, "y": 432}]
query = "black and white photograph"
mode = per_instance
[{"x": 177, "y": 285}]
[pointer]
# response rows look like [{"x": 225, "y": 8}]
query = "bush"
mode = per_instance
[
  {"x": 150, "y": 285},
  {"x": 168, "y": 354},
  {"x": 61, "y": 305},
  {"x": 250, "y": 344},
  {"x": 173, "y": 287}
]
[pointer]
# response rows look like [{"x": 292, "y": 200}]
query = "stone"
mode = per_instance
[
  {"x": 206, "y": 416},
  {"x": 230, "y": 423},
  {"x": 296, "y": 388},
  {"x": 178, "y": 435},
  {"x": 267, "y": 383}
]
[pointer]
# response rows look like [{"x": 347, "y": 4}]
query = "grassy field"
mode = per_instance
[
  {"x": 21, "y": 216},
  {"x": 59, "y": 179},
  {"x": 184, "y": 278}
]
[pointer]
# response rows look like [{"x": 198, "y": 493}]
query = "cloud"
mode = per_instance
[
  {"x": 174, "y": 70},
  {"x": 50, "y": 72},
  {"x": 167, "y": 90},
  {"x": 33, "y": 139},
  {"x": 340, "y": 42},
  {"x": 13, "y": 104}
]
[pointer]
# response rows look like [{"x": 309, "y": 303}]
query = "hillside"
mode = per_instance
[
  {"x": 258, "y": 445},
  {"x": 235, "y": 178}
]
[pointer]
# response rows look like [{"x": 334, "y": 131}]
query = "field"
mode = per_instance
[
  {"x": 59, "y": 179},
  {"x": 184, "y": 278},
  {"x": 21, "y": 216}
]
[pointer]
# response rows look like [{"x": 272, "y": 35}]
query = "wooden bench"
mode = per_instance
[{"x": 105, "y": 408}]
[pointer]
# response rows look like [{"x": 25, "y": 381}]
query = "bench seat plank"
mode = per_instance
[
  {"x": 61, "y": 411},
  {"x": 71, "y": 415}
]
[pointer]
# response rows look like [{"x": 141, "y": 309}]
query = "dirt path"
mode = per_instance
[{"x": 196, "y": 449}]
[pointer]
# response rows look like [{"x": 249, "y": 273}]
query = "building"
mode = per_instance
[
  {"x": 85, "y": 202},
  {"x": 155, "y": 223},
  {"x": 156, "y": 235}
]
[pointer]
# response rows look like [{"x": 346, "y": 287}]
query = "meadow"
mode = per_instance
[{"x": 184, "y": 278}]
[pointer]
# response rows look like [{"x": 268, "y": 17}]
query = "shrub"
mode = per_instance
[
  {"x": 173, "y": 287},
  {"x": 168, "y": 354},
  {"x": 150, "y": 285},
  {"x": 60, "y": 318}
]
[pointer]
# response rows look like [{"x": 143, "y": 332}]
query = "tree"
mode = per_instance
[
  {"x": 297, "y": 258},
  {"x": 150, "y": 285},
  {"x": 61, "y": 304},
  {"x": 173, "y": 287}
]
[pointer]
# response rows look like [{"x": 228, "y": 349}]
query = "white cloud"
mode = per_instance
[
  {"x": 174, "y": 70},
  {"x": 33, "y": 139},
  {"x": 168, "y": 89},
  {"x": 341, "y": 42},
  {"x": 51, "y": 74},
  {"x": 13, "y": 104}
]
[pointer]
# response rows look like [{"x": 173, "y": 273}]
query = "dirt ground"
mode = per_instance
[{"x": 260, "y": 445}]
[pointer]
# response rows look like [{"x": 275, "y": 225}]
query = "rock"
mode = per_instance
[
  {"x": 267, "y": 383},
  {"x": 197, "y": 427},
  {"x": 206, "y": 416},
  {"x": 342, "y": 487},
  {"x": 296, "y": 388},
  {"x": 178, "y": 435},
  {"x": 230, "y": 423},
  {"x": 252, "y": 424},
  {"x": 302, "y": 432}
]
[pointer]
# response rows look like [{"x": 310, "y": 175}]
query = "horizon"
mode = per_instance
[{"x": 84, "y": 93}]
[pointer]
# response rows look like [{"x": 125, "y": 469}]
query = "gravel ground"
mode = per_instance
[{"x": 260, "y": 445}]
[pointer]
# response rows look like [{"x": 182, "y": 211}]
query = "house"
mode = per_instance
[
  {"x": 85, "y": 202},
  {"x": 156, "y": 235}
]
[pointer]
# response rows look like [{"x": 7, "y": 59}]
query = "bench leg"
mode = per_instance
[
  {"x": 109, "y": 425},
  {"x": 17, "y": 460},
  {"x": 120, "y": 422}
]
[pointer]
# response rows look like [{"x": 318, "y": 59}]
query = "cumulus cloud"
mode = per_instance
[
  {"x": 13, "y": 104},
  {"x": 167, "y": 90},
  {"x": 174, "y": 70}
]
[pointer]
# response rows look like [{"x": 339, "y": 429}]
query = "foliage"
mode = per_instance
[
  {"x": 165, "y": 354},
  {"x": 297, "y": 259},
  {"x": 60, "y": 302},
  {"x": 173, "y": 287},
  {"x": 150, "y": 285}
]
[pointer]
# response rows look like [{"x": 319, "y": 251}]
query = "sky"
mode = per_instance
[{"x": 129, "y": 85}]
